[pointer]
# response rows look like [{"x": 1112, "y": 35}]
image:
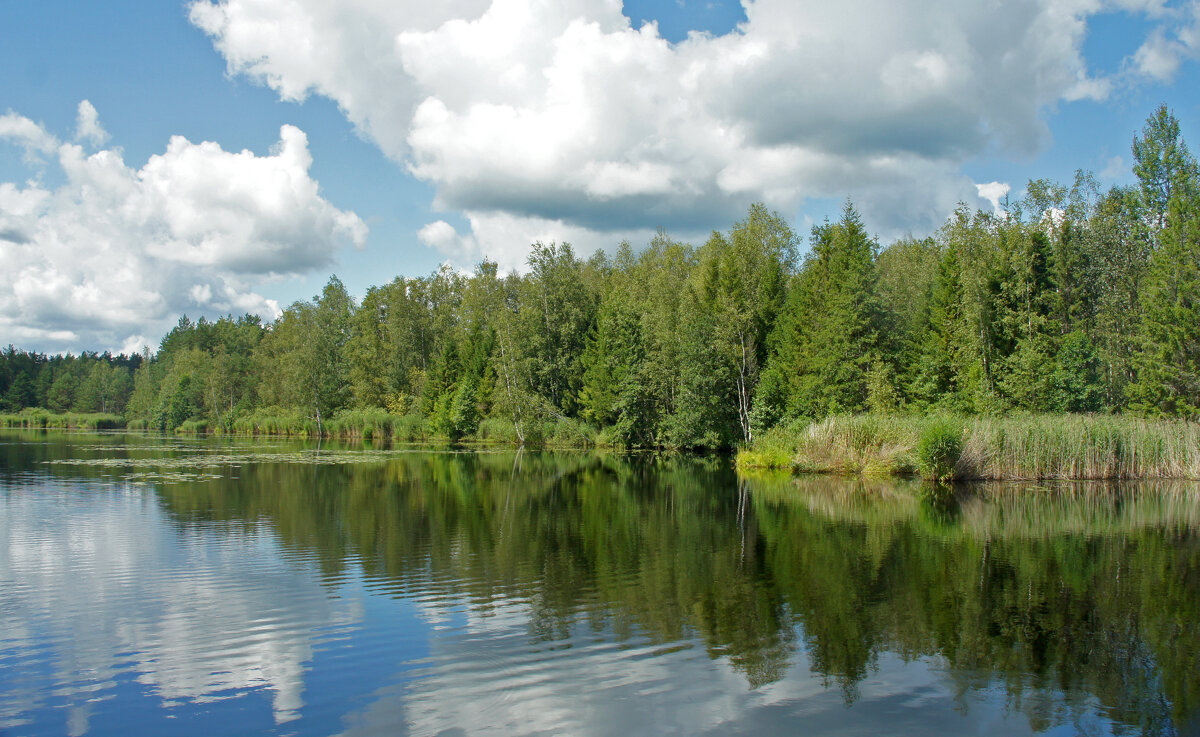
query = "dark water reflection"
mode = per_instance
[{"x": 164, "y": 587}]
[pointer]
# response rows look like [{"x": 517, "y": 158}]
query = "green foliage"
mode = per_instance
[
  {"x": 938, "y": 449},
  {"x": 1163, "y": 165},
  {"x": 1075, "y": 384},
  {"x": 824, "y": 340},
  {"x": 1015, "y": 447},
  {"x": 1168, "y": 365},
  {"x": 35, "y": 419},
  {"x": 882, "y": 396},
  {"x": 1068, "y": 300}
]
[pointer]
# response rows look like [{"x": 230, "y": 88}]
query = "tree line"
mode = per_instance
[{"x": 1070, "y": 299}]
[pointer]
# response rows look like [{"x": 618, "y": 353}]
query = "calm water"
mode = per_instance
[{"x": 162, "y": 587}]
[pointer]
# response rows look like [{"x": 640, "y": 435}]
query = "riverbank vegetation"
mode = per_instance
[
  {"x": 1068, "y": 299},
  {"x": 38, "y": 419},
  {"x": 946, "y": 448}
]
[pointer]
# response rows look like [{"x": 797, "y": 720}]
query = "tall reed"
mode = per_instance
[
  {"x": 1013, "y": 447},
  {"x": 40, "y": 418}
]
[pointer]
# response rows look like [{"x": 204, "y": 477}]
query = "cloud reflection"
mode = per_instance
[{"x": 102, "y": 579}]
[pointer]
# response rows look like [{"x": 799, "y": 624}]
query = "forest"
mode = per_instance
[{"x": 1069, "y": 299}]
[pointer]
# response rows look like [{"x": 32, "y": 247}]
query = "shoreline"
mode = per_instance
[{"x": 983, "y": 448}]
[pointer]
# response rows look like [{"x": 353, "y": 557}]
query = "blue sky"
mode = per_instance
[{"x": 469, "y": 129}]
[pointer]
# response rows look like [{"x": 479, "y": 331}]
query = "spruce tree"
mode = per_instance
[
  {"x": 1168, "y": 365},
  {"x": 826, "y": 336}
]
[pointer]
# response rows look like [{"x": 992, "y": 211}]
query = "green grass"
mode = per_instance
[
  {"x": 496, "y": 430},
  {"x": 274, "y": 421},
  {"x": 194, "y": 427},
  {"x": 1015, "y": 447},
  {"x": 40, "y": 418},
  {"x": 568, "y": 433},
  {"x": 380, "y": 425},
  {"x": 365, "y": 424}
]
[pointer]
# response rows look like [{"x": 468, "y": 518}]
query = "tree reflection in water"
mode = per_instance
[{"x": 1089, "y": 592}]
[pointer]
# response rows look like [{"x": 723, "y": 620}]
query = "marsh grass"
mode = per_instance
[
  {"x": 565, "y": 432},
  {"x": 497, "y": 430},
  {"x": 42, "y": 419},
  {"x": 274, "y": 421},
  {"x": 376, "y": 425},
  {"x": 364, "y": 424},
  {"x": 193, "y": 427},
  {"x": 872, "y": 445},
  {"x": 1085, "y": 447}
]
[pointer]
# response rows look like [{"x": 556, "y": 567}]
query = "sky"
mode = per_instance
[{"x": 208, "y": 157}]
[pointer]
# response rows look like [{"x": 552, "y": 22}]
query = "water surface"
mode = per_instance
[{"x": 178, "y": 587}]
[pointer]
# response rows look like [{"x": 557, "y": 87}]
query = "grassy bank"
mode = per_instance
[
  {"x": 360, "y": 424},
  {"x": 965, "y": 448},
  {"x": 380, "y": 425},
  {"x": 34, "y": 419}
]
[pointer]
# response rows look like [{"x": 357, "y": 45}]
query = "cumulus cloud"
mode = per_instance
[
  {"x": 505, "y": 238},
  {"x": 117, "y": 252},
  {"x": 26, "y": 134},
  {"x": 87, "y": 125},
  {"x": 994, "y": 192},
  {"x": 562, "y": 112},
  {"x": 1169, "y": 44}
]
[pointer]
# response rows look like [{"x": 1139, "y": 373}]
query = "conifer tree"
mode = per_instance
[
  {"x": 827, "y": 334},
  {"x": 1168, "y": 365}
]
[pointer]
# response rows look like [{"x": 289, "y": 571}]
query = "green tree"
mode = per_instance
[
  {"x": 907, "y": 275},
  {"x": 557, "y": 311},
  {"x": 960, "y": 348},
  {"x": 1163, "y": 165},
  {"x": 740, "y": 285},
  {"x": 1168, "y": 365},
  {"x": 61, "y": 397},
  {"x": 827, "y": 335}
]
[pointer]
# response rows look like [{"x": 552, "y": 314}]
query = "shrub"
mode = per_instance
[
  {"x": 496, "y": 430},
  {"x": 938, "y": 449}
]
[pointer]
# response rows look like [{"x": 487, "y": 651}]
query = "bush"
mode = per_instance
[
  {"x": 938, "y": 449},
  {"x": 192, "y": 427},
  {"x": 408, "y": 428},
  {"x": 568, "y": 433},
  {"x": 496, "y": 430}
]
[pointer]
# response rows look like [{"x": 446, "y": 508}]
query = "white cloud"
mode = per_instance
[
  {"x": 445, "y": 239},
  {"x": 117, "y": 252},
  {"x": 1159, "y": 57},
  {"x": 1114, "y": 170},
  {"x": 27, "y": 134},
  {"x": 1169, "y": 44},
  {"x": 562, "y": 113},
  {"x": 994, "y": 192},
  {"x": 505, "y": 238},
  {"x": 87, "y": 125}
]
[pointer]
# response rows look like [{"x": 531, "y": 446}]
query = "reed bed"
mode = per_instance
[
  {"x": 41, "y": 419},
  {"x": 1019, "y": 447},
  {"x": 367, "y": 424},
  {"x": 872, "y": 445},
  {"x": 275, "y": 422}
]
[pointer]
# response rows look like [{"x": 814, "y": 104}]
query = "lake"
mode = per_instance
[{"x": 163, "y": 586}]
